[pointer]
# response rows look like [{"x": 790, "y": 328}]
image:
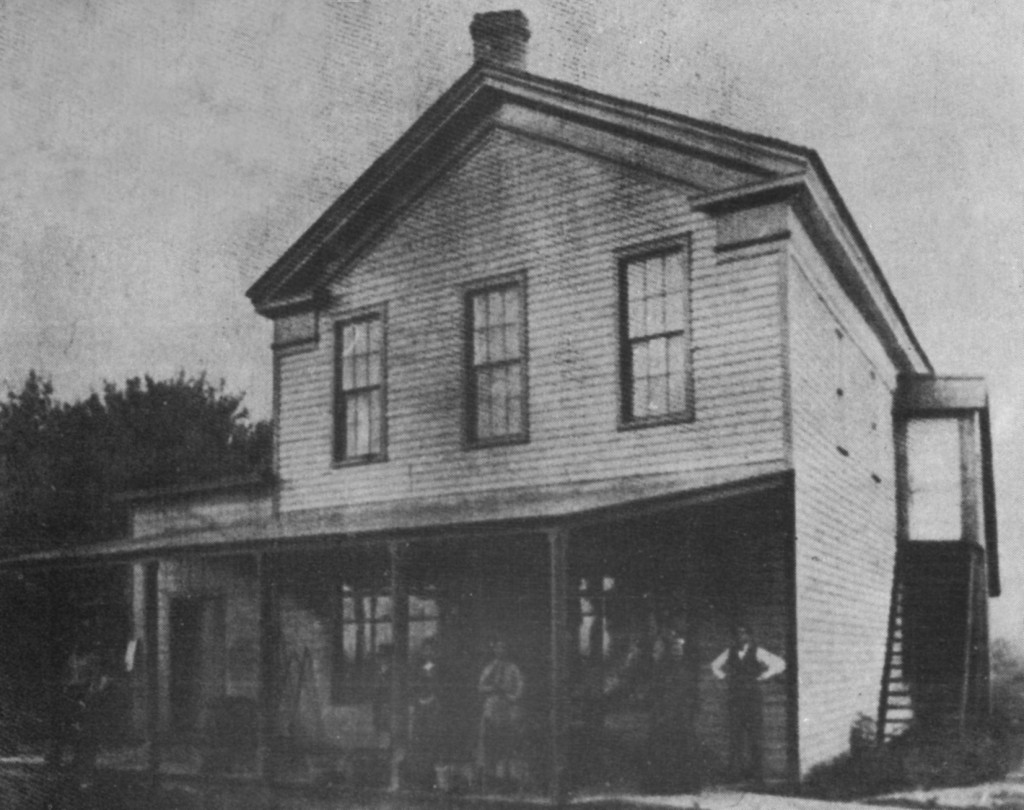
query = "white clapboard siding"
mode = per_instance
[
  {"x": 516, "y": 205},
  {"x": 845, "y": 518}
]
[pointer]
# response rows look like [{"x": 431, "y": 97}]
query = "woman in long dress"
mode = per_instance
[{"x": 501, "y": 684}]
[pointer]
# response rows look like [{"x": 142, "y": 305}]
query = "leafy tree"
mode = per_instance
[{"x": 61, "y": 464}]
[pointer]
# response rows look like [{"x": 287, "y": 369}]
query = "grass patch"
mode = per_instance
[{"x": 933, "y": 758}]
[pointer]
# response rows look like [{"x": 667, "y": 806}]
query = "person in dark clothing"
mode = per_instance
[
  {"x": 425, "y": 734},
  {"x": 673, "y": 751},
  {"x": 745, "y": 666},
  {"x": 83, "y": 711}
]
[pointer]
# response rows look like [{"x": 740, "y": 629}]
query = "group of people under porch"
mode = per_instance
[
  {"x": 672, "y": 750},
  {"x": 671, "y": 754}
]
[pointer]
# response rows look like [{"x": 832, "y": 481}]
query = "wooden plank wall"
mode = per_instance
[
  {"x": 233, "y": 580},
  {"x": 516, "y": 204},
  {"x": 845, "y": 503},
  {"x": 199, "y": 512}
]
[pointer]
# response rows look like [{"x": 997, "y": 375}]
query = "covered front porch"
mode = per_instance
[{"x": 355, "y": 661}]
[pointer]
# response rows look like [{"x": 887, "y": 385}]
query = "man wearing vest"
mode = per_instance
[{"x": 745, "y": 666}]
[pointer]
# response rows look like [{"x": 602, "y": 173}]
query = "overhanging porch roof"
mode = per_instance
[{"x": 519, "y": 509}]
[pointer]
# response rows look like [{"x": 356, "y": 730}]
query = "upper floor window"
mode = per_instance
[
  {"x": 497, "y": 363},
  {"x": 359, "y": 396},
  {"x": 656, "y": 373}
]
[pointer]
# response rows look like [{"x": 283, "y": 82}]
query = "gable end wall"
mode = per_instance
[
  {"x": 845, "y": 504},
  {"x": 518, "y": 205}
]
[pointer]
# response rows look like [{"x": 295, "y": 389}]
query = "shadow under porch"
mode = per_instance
[{"x": 301, "y": 663}]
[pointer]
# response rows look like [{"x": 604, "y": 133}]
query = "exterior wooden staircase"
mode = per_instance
[
  {"x": 932, "y": 672},
  {"x": 895, "y": 707}
]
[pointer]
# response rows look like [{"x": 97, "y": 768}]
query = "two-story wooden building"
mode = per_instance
[{"x": 556, "y": 366}]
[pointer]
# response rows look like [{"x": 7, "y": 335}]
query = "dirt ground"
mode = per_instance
[{"x": 28, "y": 788}]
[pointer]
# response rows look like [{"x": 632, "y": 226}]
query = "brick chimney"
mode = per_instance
[{"x": 500, "y": 37}]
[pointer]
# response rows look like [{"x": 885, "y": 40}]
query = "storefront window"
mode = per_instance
[
  {"x": 594, "y": 637},
  {"x": 363, "y": 622}
]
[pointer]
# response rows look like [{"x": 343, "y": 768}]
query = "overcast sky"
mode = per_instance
[{"x": 157, "y": 156}]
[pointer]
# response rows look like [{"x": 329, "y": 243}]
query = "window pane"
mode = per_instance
[
  {"x": 497, "y": 344},
  {"x": 675, "y": 312},
  {"x": 657, "y": 395},
  {"x": 515, "y": 399},
  {"x": 358, "y": 339},
  {"x": 496, "y": 341},
  {"x": 483, "y": 403},
  {"x": 384, "y": 634},
  {"x": 512, "y": 348},
  {"x": 641, "y": 362},
  {"x": 636, "y": 316},
  {"x": 498, "y": 401},
  {"x": 420, "y": 631},
  {"x": 422, "y": 608},
  {"x": 357, "y": 434},
  {"x": 349, "y": 642},
  {"x": 657, "y": 358},
  {"x": 513, "y": 307},
  {"x": 655, "y": 285},
  {"x": 373, "y": 421},
  {"x": 585, "y": 627},
  {"x": 676, "y": 375},
  {"x": 675, "y": 275},
  {"x": 654, "y": 317},
  {"x": 656, "y": 327},
  {"x": 479, "y": 311},
  {"x": 480, "y": 354},
  {"x": 373, "y": 368},
  {"x": 360, "y": 366},
  {"x": 347, "y": 378},
  {"x": 640, "y": 398},
  {"x": 495, "y": 307},
  {"x": 351, "y": 426}
]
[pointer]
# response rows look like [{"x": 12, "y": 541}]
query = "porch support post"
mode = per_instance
[
  {"x": 53, "y": 657},
  {"x": 399, "y": 665},
  {"x": 151, "y": 645},
  {"x": 558, "y": 541},
  {"x": 269, "y": 632},
  {"x": 792, "y": 674}
]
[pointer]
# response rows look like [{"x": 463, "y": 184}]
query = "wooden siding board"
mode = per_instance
[
  {"x": 560, "y": 216},
  {"x": 845, "y": 520}
]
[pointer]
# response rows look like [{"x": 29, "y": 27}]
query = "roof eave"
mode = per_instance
[
  {"x": 476, "y": 93},
  {"x": 821, "y": 208}
]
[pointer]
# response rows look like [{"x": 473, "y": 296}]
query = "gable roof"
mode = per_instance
[{"x": 742, "y": 168}]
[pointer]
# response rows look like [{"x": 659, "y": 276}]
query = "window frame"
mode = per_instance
[
  {"x": 470, "y": 412},
  {"x": 353, "y": 683},
  {"x": 338, "y": 457},
  {"x": 680, "y": 244}
]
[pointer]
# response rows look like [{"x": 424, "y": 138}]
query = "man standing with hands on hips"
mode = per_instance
[{"x": 744, "y": 666}]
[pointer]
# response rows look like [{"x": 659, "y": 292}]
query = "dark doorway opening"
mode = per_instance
[{"x": 196, "y": 646}]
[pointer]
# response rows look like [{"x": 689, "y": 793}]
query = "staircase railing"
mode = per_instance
[{"x": 895, "y": 709}]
